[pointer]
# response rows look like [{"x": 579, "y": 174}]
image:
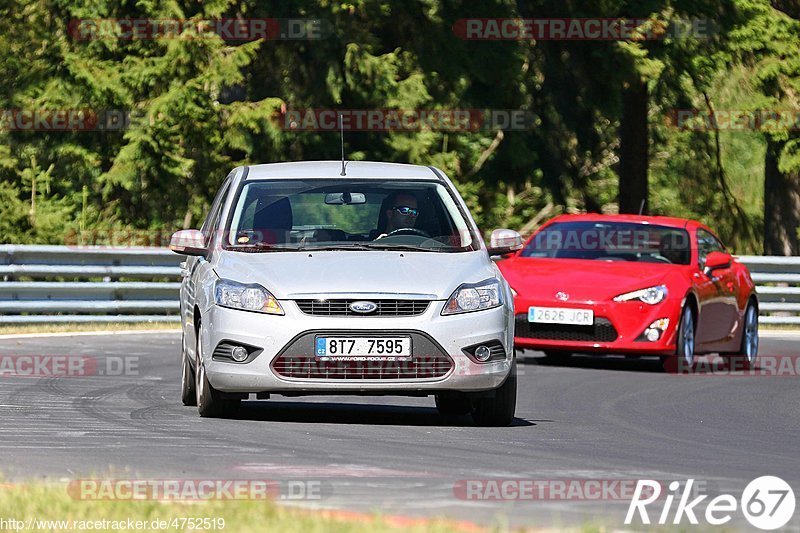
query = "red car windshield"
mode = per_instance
[{"x": 611, "y": 241}]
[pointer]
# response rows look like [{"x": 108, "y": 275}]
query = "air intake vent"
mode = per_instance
[{"x": 601, "y": 331}]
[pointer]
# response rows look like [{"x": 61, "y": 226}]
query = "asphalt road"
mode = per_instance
[{"x": 584, "y": 419}]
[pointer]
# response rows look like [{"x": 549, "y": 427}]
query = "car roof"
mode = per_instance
[
  {"x": 674, "y": 222},
  {"x": 333, "y": 169}
]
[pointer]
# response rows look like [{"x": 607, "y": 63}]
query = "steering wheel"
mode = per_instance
[
  {"x": 403, "y": 231},
  {"x": 660, "y": 258}
]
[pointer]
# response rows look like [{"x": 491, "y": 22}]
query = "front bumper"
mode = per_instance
[
  {"x": 273, "y": 335},
  {"x": 618, "y": 328}
]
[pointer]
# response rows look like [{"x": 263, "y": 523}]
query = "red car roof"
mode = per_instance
[{"x": 597, "y": 217}]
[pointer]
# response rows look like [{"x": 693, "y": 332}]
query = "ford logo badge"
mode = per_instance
[{"x": 363, "y": 307}]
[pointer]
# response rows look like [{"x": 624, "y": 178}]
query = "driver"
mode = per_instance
[
  {"x": 401, "y": 213},
  {"x": 673, "y": 247}
]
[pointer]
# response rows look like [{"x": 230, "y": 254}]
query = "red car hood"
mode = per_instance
[{"x": 582, "y": 280}]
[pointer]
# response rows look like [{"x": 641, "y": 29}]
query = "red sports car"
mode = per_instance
[{"x": 634, "y": 285}]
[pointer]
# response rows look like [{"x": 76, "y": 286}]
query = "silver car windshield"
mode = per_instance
[{"x": 294, "y": 215}]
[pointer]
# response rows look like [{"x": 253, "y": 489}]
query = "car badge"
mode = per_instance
[
  {"x": 563, "y": 296},
  {"x": 363, "y": 307}
]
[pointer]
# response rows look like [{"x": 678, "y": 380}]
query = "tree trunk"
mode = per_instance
[
  {"x": 781, "y": 205},
  {"x": 633, "y": 151}
]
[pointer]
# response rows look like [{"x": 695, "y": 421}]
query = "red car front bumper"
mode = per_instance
[{"x": 618, "y": 327}]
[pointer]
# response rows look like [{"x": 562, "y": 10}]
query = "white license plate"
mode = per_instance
[
  {"x": 363, "y": 348},
  {"x": 561, "y": 315}
]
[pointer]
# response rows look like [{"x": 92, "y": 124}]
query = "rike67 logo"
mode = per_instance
[{"x": 767, "y": 503}]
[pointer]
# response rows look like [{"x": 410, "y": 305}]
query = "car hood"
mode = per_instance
[
  {"x": 356, "y": 274},
  {"x": 582, "y": 280}
]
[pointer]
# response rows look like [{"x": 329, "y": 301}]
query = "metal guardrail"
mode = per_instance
[
  {"x": 777, "y": 281},
  {"x": 48, "y": 284},
  {"x": 51, "y": 284}
]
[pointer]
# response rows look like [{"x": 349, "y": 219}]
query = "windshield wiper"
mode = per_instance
[
  {"x": 264, "y": 247},
  {"x": 343, "y": 246},
  {"x": 401, "y": 247}
]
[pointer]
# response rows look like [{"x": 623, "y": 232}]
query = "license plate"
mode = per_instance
[
  {"x": 363, "y": 348},
  {"x": 561, "y": 315}
]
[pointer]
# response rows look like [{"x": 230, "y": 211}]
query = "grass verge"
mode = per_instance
[
  {"x": 51, "y": 503},
  {"x": 10, "y": 329},
  {"x": 779, "y": 327}
]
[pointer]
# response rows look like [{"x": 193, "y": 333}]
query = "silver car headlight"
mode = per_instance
[
  {"x": 247, "y": 297},
  {"x": 474, "y": 297},
  {"x": 650, "y": 295}
]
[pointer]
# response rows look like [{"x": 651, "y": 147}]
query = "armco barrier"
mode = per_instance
[
  {"x": 777, "y": 281},
  {"x": 105, "y": 284},
  {"x": 49, "y": 284}
]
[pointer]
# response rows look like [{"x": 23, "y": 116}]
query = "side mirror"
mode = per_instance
[
  {"x": 717, "y": 260},
  {"x": 188, "y": 242},
  {"x": 504, "y": 241}
]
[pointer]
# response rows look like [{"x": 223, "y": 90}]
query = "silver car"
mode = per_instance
[{"x": 369, "y": 279}]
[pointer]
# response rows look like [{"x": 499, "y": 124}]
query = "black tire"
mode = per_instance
[
  {"x": 188, "y": 394},
  {"x": 498, "y": 410},
  {"x": 747, "y": 355},
  {"x": 453, "y": 405},
  {"x": 210, "y": 403},
  {"x": 684, "y": 359}
]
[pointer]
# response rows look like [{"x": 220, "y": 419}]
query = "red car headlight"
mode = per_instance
[{"x": 650, "y": 295}]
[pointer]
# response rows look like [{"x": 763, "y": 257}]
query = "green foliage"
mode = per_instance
[{"x": 199, "y": 105}]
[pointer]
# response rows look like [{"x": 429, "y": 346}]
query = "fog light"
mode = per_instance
[
  {"x": 482, "y": 353},
  {"x": 656, "y": 329},
  {"x": 239, "y": 354}
]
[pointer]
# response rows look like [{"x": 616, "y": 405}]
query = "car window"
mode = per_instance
[
  {"x": 328, "y": 213},
  {"x": 706, "y": 243},
  {"x": 611, "y": 241}
]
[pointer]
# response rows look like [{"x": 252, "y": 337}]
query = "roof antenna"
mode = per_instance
[
  {"x": 341, "y": 130},
  {"x": 641, "y": 207}
]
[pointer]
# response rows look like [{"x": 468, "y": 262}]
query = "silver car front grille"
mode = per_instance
[{"x": 341, "y": 307}]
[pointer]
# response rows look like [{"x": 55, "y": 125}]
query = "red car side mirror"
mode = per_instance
[{"x": 717, "y": 260}]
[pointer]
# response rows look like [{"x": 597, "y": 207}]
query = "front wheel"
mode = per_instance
[
  {"x": 210, "y": 403},
  {"x": 683, "y": 360},
  {"x": 498, "y": 410},
  {"x": 188, "y": 393}
]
